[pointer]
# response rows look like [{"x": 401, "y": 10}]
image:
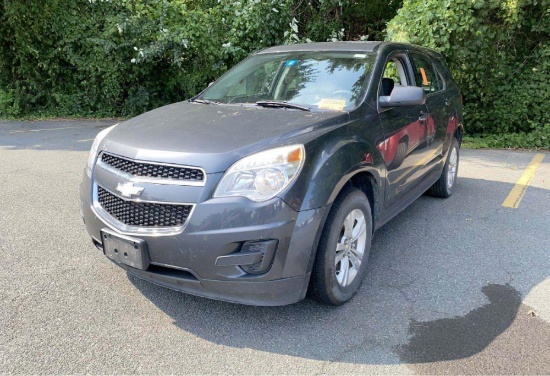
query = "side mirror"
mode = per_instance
[{"x": 404, "y": 96}]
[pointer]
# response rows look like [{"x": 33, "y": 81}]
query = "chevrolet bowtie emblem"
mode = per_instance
[{"x": 128, "y": 189}]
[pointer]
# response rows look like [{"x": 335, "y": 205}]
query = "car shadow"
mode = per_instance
[{"x": 438, "y": 287}]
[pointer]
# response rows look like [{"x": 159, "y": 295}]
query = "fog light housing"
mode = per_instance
[
  {"x": 255, "y": 256},
  {"x": 267, "y": 248}
]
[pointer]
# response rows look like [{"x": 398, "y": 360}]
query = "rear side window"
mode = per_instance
[
  {"x": 425, "y": 75},
  {"x": 443, "y": 73}
]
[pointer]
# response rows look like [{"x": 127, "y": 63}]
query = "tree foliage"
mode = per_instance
[
  {"x": 498, "y": 51},
  {"x": 123, "y": 57}
]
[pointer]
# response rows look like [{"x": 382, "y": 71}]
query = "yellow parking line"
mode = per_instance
[{"x": 517, "y": 193}]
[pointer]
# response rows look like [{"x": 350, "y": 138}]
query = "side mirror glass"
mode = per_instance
[{"x": 404, "y": 96}]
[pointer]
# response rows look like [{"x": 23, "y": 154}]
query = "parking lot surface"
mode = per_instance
[{"x": 456, "y": 286}]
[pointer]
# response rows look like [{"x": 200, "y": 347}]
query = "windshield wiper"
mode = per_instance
[
  {"x": 204, "y": 101},
  {"x": 282, "y": 104}
]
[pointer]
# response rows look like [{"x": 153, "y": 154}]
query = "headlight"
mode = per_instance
[
  {"x": 262, "y": 176},
  {"x": 93, "y": 151}
]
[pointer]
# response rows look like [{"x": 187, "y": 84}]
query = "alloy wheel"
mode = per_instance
[
  {"x": 350, "y": 247},
  {"x": 451, "y": 170}
]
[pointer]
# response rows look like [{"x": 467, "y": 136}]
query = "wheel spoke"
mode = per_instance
[
  {"x": 355, "y": 261},
  {"x": 348, "y": 225},
  {"x": 344, "y": 270},
  {"x": 359, "y": 229},
  {"x": 339, "y": 257},
  {"x": 357, "y": 253}
]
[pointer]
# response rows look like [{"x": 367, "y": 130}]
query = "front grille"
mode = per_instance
[
  {"x": 143, "y": 214},
  {"x": 152, "y": 170}
]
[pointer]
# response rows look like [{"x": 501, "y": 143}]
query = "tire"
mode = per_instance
[
  {"x": 329, "y": 282},
  {"x": 443, "y": 187},
  {"x": 399, "y": 155}
]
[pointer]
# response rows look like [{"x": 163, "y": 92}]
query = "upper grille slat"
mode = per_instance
[
  {"x": 152, "y": 170},
  {"x": 143, "y": 214}
]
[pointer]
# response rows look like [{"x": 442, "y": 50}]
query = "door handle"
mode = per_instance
[{"x": 423, "y": 116}]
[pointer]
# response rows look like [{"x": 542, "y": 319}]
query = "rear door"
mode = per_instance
[
  {"x": 453, "y": 102},
  {"x": 427, "y": 78}
]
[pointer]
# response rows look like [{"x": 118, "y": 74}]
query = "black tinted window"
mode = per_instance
[
  {"x": 425, "y": 75},
  {"x": 443, "y": 74}
]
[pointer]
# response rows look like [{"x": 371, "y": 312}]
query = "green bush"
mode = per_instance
[
  {"x": 107, "y": 58},
  {"x": 498, "y": 51},
  {"x": 331, "y": 20},
  {"x": 57, "y": 62},
  {"x": 8, "y": 104},
  {"x": 120, "y": 58},
  {"x": 538, "y": 138}
]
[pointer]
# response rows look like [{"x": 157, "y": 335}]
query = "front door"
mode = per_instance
[{"x": 405, "y": 144}]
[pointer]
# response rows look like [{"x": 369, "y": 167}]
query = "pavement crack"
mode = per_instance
[{"x": 362, "y": 345}]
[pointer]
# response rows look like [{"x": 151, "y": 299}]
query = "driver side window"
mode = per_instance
[
  {"x": 391, "y": 72},
  {"x": 394, "y": 75}
]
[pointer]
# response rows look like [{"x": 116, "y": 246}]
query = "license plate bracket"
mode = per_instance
[{"x": 125, "y": 249}]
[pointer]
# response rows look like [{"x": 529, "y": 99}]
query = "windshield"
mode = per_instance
[{"x": 318, "y": 80}]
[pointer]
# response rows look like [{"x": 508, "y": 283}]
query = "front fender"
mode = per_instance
[{"x": 332, "y": 160}]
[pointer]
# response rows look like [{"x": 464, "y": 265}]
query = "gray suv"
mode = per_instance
[{"x": 272, "y": 181}]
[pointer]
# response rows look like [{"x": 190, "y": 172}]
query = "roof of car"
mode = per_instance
[
  {"x": 356, "y": 46},
  {"x": 326, "y": 46}
]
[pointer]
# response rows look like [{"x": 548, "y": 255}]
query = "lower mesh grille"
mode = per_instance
[{"x": 143, "y": 214}]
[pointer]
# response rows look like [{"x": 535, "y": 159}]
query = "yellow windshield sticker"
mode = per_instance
[{"x": 332, "y": 104}]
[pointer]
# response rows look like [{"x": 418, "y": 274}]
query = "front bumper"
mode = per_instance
[
  {"x": 262, "y": 293},
  {"x": 186, "y": 261}
]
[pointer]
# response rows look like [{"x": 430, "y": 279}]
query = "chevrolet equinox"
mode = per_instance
[{"x": 272, "y": 181}]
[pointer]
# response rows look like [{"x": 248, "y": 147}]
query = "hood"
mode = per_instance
[{"x": 211, "y": 136}]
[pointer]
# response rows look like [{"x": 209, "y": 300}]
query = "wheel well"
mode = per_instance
[
  {"x": 366, "y": 183},
  {"x": 405, "y": 138}
]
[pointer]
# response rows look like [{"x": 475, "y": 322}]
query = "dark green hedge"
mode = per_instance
[
  {"x": 499, "y": 52},
  {"x": 122, "y": 57}
]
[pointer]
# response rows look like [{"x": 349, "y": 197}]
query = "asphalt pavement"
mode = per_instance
[{"x": 456, "y": 286}]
